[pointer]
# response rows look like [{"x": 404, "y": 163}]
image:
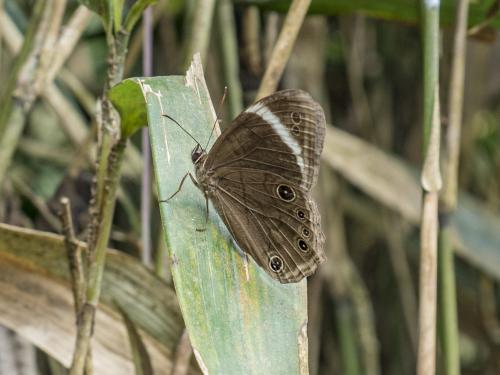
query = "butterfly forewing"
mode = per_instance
[{"x": 263, "y": 167}]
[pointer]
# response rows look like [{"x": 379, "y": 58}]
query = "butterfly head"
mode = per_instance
[{"x": 197, "y": 153}]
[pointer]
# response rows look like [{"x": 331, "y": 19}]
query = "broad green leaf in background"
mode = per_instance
[
  {"x": 398, "y": 10},
  {"x": 239, "y": 320}
]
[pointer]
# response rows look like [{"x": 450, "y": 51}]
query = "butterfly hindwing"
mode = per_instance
[{"x": 268, "y": 227}]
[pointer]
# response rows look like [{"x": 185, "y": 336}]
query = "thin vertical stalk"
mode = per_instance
[
  {"x": 283, "y": 48},
  {"x": 447, "y": 287},
  {"x": 110, "y": 155},
  {"x": 199, "y": 34},
  {"x": 147, "y": 67},
  {"x": 229, "y": 45},
  {"x": 354, "y": 312},
  {"x": 431, "y": 184},
  {"x": 455, "y": 104},
  {"x": 13, "y": 112},
  {"x": 251, "y": 39},
  {"x": 397, "y": 253},
  {"x": 35, "y": 68}
]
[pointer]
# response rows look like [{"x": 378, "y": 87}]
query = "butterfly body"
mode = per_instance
[{"x": 259, "y": 174}]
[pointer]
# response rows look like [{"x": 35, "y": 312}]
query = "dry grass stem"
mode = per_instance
[
  {"x": 428, "y": 281},
  {"x": 183, "y": 355},
  {"x": 455, "y": 108},
  {"x": 431, "y": 176},
  {"x": 199, "y": 34},
  {"x": 395, "y": 233},
  {"x": 251, "y": 39},
  {"x": 77, "y": 273},
  {"x": 70, "y": 36},
  {"x": 74, "y": 255},
  {"x": 39, "y": 203},
  {"x": 283, "y": 48}
]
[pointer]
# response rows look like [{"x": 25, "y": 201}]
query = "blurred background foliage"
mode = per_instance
[{"x": 362, "y": 60}]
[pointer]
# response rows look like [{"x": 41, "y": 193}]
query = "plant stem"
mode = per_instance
[
  {"x": 448, "y": 301},
  {"x": 13, "y": 112},
  {"x": 36, "y": 66},
  {"x": 229, "y": 44},
  {"x": 199, "y": 34},
  {"x": 111, "y": 150},
  {"x": 182, "y": 356},
  {"x": 283, "y": 48},
  {"x": 448, "y": 298},
  {"x": 431, "y": 184},
  {"x": 147, "y": 69},
  {"x": 251, "y": 39},
  {"x": 347, "y": 336}
]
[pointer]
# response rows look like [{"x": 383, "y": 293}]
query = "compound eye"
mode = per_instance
[{"x": 196, "y": 153}]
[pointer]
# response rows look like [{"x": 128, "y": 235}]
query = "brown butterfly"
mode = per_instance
[{"x": 259, "y": 174}]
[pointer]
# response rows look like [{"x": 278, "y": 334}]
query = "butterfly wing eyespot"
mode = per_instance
[
  {"x": 285, "y": 193},
  {"x": 300, "y": 214},
  {"x": 303, "y": 246},
  {"x": 296, "y": 117},
  {"x": 296, "y": 130},
  {"x": 276, "y": 263},
  {"x": 306, "y": 232}
]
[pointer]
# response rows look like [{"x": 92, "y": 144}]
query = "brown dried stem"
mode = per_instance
[
  {"x": 199, "y": 34},
  {"x": 395, "y": 233},
  {"x": 182, "y": 356},
  {"x": 251, "y": 39},
  {"x": 74, "y": 255},
  {"x": 428, "y": 291},
  {"x": 283, "y": 48}
]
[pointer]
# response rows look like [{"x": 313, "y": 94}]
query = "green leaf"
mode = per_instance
[
  {"x": 135, "y": 13},
  {"x": 103, "y": 8},
  {"x": 398, "y": 10},
  {"x": 239, "y": 320},
  {"x": 117, "y": 6},
  {"x": 126, "y": 97},
  {"x": 140, "y": 354}
]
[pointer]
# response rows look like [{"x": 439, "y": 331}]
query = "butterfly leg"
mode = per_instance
[
  {"x": 180, "y": 186},
  {"x": 206, "y": 215}
]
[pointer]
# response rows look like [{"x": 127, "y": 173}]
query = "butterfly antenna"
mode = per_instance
[
  {"x": 180, "y": 126},
  {"x": 219, "y": 110}
]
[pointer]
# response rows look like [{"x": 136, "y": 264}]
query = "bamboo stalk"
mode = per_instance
[
  {"x": 447, "y": 287},
  {"x": 283, "y": 48},
  {"x": 431, "y": 184}
]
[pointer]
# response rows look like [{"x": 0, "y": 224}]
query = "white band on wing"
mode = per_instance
[{"x": 280, "y": 129}]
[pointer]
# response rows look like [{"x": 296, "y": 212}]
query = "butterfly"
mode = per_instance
[{"x": 259, "y": 174}]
